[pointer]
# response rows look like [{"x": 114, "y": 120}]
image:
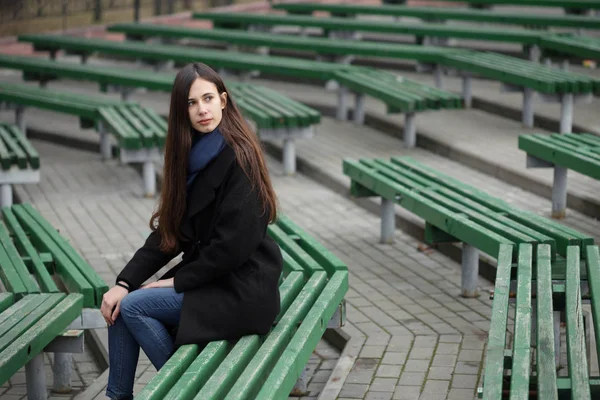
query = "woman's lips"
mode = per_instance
[{"x": 204, "y": 121}]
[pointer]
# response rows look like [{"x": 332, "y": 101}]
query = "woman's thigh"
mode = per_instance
[{"x": 162, "y": 304}]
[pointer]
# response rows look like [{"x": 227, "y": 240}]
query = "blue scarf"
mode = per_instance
[{"x": 205, "y": 148}]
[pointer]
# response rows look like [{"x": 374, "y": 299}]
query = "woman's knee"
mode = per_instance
[{"x": 130, "y": 305}]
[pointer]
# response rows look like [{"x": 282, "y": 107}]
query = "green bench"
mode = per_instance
[
  {"x": 514, "y": 73},
  {"x": 139, "y": 132},
  {"x": 36, "y": 262},
  {"x": 576, "y": 45},
  {"x": 273, "y": 116},
  {"x": 27, "y": 328},
  {"x": 579, "y": 152},
  {"x": 312, "y": 288},
  {"x": 401, "y": 95},
  {"x": 453, "y": 212},
  {"x": 19, "y": 160},
  {"x": 556, "y": 287},
  {"x": 566, "y": 4},
  {"x": 446, "y": 14}
]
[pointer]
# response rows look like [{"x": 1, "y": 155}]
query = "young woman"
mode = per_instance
[{"x": 215, "y": 205}]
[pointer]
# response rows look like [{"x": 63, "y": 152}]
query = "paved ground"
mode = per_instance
[{"x": 416, "y": 338}]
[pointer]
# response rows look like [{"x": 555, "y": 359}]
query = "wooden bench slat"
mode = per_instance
[
  {"x": 576, "y": 351},
  {"x": 32, "y": 342},
  {"x": 18, "y": 155},
  {"x": 157, "y": 131},
  {"x": 454, "y": 224},
  {"x": 593, "y": 275},
  {"x": 200, "y": 371},
  {"x": 34, "y": 311},
  {"x": 521, "y": 352},
  {"x": 6, "y": 157},
  {"x": 276, "y": 341},
  {"x": 167, "y": 376},
  {"x": 31, "y": 153},
  {"x": 126, "y": 137},
  {"x": 563, "y": 235},
  {"x": 290, "y": 365},
  {"x": 26, "y": 248},
  {"x": 545, "y": 354},
  {"x": 289, "y": 246},
  {"x": 475, "y": 211},
  {"x": 43, "y": 238},
  {"x": 6, "y": 300},
  {"x": 11, "y": 278},
  {"x": 230, "y": 369},
  {"x": 329, "y": 261},
  {"x": 14, "y": 257},
  {"x": 494, "y": 365},
  {"x": 290, "y": 265},
  {"x": 82, "y": 266},
  {"x": 10, "y": 316}
]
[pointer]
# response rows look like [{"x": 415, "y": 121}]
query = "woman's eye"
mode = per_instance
[
  {"x": 190, "y": 103},
  {"x": 208, "y": 98}
]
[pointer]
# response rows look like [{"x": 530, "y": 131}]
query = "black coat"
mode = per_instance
[{"x": 230, "y": 269}]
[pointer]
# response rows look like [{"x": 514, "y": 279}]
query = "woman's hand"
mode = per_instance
[
  {"x": 111, "y": 304},
  {"x": 158, "y": 284}
]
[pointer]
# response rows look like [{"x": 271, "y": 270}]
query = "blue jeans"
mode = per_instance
[{"x": 144, "y": 321}]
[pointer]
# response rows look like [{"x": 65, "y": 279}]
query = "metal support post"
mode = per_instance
[
  {"x": 149, "y": 179},
  {"x": 439, "y": 76},
  {"x": 466, "y": 90},
  {"x": 6, "y": 195},
  {"x": 53, "y": 54},
  {"x": 564, "y": 65},
  {"x": 566, "y": 113},
  {"x": 559, "y": 192},
  {"x": 410, "y": 130},
  {"x": 470, "y": 271},
  {"x": 105, "y": 149},
  {"x": 289, "y": 157},
  {"x": 36, "y": 378},
  {"x": 63, "y": 364},
  {"x": 535, "y": 53},
  {"x": 126, "y": 94},
  {"x": 301, "y": 387},
  {"x": 388, "y": 221},
  {"x": 20, "y": 118},
  {"x": 84, "y": 58},
  {"x": 528, "y": 95},
  {"x": 359, "y": 108},
  {"x": 342, "y": 106}
]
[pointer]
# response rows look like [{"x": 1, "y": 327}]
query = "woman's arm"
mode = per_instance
[
  {"x": 239, "y": 229},
  {"x": 145, "y": 262}
]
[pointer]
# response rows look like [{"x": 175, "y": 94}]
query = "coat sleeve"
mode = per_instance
[
  {"x": 145, "y": 262},
  {"x": 239, "y": 229}
]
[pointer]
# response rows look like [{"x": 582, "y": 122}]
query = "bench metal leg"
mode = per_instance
[
  {"x": 84, "y": 58},
  {"x": 470, "y": 271},
  {"x": 359, "y": 108},
  {"x": 466, "y": 90},
  {"x": 6, "y": 195},
  {"x": 20, "y": 118},
  {"x": 566, "y": 113},
  {"x": 559, "y": 193},
  {"x": 63, "y": 364},
  {"x": 301, "y": 386},
  {"x": 528, "y": 95},
  {"x": 535, "y": 53},
  {"x": 36, "y": 378},
  {"x": 410, "y": 131},
  {"x": 149, "y": 179},
  {"x": 388, "y": 221},
  {"x": 439, "y": 76},
  {"x": 105, "y": 150},
  {"x": 342, "y": 106},
  {"x": 289, "y": 157},
  {"x": 564, "y": 65},
  {"x": 126, "y": 93},
  {"x": 53, "y": 55}
]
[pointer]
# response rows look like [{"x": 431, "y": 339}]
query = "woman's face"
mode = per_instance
[{"x": 205, "y": 105}]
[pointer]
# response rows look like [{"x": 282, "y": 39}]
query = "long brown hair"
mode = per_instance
[{"x": 171, "y": 208}]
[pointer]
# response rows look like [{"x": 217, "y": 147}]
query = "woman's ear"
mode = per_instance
[{"x": 223, "y": 100}]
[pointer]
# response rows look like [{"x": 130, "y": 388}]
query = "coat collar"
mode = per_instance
[{"x": 202, "y": 190}]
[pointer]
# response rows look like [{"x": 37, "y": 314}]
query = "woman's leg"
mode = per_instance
[
  {"x": 123, "y": 353},
  {"x": 148, "y": 313}
]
